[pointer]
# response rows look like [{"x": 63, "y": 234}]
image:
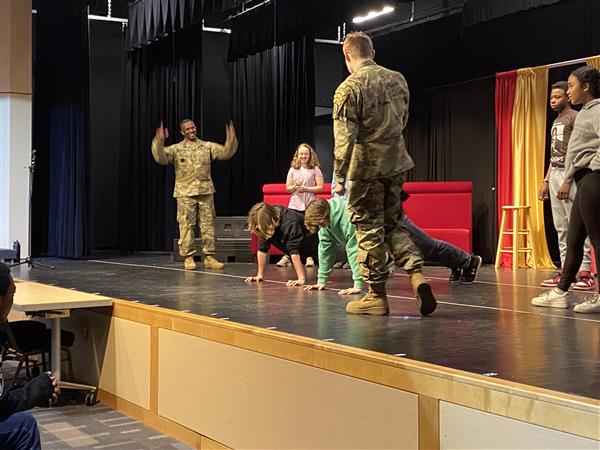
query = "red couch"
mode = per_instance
[{"x": 442, "y": 209}]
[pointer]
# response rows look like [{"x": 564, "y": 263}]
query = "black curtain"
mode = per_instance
[
  {"x": 295, "y": 95},
  {"x": 150, "y": 20},
  {"x": 283, "y": 21},
  {"x": 162, "y": 81},
  {"x": 106, "y": 71},
  {"x": 477, "y": 11},
  {"x": 297, "y": 18},
  {"x": 273, "y": 109},
  {"x": 61, "y": 131},
  {"x": 216, "y": 111},
  {"x": 252, "y": 32},
  {"x": 451, "y": 136},
  {"x": 444, "y": 52}
]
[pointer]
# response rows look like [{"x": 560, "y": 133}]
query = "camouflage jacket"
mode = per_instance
[
  {"x": 370, "y": 112},
  {"x": 192, "y": 164}
]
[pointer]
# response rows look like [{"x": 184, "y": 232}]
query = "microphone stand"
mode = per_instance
[{"x": 29, "y": 260}]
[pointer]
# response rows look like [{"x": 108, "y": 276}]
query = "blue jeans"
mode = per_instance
[
  {"x": 440, "y": 252},
  {"x": 19, "y": 431}
]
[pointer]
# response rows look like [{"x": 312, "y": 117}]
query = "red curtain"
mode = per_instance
[{"x": 504, "y": 101}]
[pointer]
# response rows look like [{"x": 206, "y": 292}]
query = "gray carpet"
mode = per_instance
[
  {"x": 72, "y": 424},
  {"x": 96, "y": 427}
]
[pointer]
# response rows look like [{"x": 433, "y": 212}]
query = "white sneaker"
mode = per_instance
[
  {"x": 551, "y": 299},
  {"x": 590, "y": 305},
  {"x": 284, "y": 261}
]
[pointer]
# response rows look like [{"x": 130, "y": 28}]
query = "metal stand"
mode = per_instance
[
  {"x": 29, "y": 260},
  {"x": 31, "y": 263},
  {"x": 91, "y": 398}
]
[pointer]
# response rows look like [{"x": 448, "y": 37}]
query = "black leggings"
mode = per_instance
[{"x": 584, "y": 221}]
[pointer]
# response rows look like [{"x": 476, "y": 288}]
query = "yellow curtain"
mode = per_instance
[
  {"x": 529, "y": 142},
  {"x": 594, "y": 61}
]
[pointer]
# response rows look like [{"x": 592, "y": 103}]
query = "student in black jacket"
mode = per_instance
[
  {"x": 18, "y": 428},
  {"x": 284, "y": 228}
]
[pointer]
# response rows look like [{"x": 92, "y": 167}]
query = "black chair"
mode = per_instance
[{"x": 22, "y": 339}]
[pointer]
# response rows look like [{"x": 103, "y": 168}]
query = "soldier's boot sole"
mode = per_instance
[{"x": 425, "y": 300}]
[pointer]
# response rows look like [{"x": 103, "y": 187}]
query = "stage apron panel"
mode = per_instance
[
  {"x": 245, "y": 399},
  {"x": 466, "y": 428},
  {"x": 126, "y": 365}
]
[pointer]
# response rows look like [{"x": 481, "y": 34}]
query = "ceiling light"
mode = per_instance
[{"x": 372, "y": 14}]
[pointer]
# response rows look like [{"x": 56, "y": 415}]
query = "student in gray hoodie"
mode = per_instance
[{"x": 582, "y": 164}]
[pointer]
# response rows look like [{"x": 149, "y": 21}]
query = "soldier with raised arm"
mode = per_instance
[{"x": 194, "y": 188}]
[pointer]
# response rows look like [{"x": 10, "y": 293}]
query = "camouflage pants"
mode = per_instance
[
  {"x": 375, "y": 208},
  {"x": 190, "y": 211}
]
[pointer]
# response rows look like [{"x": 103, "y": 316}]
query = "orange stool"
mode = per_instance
[{"x": 519, "y": 214}]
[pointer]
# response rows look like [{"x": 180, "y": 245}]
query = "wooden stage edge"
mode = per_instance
[
  {"x": 549, "y": 409},
  {"x": 217, "y": 384}
]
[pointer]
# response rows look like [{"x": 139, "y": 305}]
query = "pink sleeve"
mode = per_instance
[
  {"x": 318, "y": 172},
  {"x": 290, "y": 173}
]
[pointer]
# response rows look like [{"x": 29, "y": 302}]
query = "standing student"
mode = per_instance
[
  {"x": 370, "y": 112},
  {"x": 555, "y": 180},
  {"x": 304, "y": 180},
  {"x": 582, "y": 164}
]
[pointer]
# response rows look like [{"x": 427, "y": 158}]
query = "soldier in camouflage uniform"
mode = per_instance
[
  {"x": 194, "y": 188},
  {"x": 370, "y": 112}
]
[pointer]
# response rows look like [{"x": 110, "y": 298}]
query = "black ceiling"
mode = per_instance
[
  {"x": 119, "y": 8},
  {"x": 218, "y": 13}
]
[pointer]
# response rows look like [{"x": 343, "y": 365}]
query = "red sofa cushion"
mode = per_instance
[
  {"x": 275, "y": 194},
  {"x": 440, "y": 208}
]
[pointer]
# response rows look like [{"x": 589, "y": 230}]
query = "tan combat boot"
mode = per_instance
[
  {"x": 189, "y": 263},
  {"x": 211, "y": 263},
  {"x": 423, "y": 295},
  {"x": 374, "y": 302}
]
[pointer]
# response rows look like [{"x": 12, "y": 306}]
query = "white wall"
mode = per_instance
[{"x": 15, "y": 155}]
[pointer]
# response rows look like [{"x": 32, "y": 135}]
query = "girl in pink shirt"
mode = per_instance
[{"x": 304, "y": 180}]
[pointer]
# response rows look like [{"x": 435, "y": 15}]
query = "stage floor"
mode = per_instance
[{"x": 488, "y": 327}]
